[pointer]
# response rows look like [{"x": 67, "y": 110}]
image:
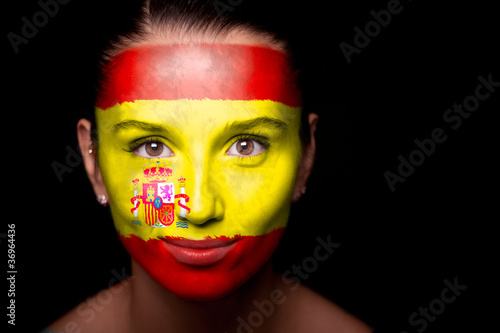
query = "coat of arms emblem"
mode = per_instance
[{"x": 158, "y": 195}]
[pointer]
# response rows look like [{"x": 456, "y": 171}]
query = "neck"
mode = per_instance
[{"x": 154, "y": 309}]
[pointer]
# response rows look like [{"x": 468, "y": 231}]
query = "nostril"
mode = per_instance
[
  {"x": 213, "y": 220},
  {"x": 200, "y": 223}
]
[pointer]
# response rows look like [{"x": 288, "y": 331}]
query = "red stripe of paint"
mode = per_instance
[
  {"x": 203, "y": 283},
  {"x": 218, "y": 71}
]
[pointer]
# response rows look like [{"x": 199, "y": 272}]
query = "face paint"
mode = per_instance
[
  {"x": 199, "y": 148},
  {"x": 232, "y": 72}
]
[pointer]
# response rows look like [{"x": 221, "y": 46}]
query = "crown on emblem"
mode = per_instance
[
  {"x": 157, "y": 171},
  {"x": 182, "y": 180}
]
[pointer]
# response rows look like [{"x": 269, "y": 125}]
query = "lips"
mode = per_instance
[{"x": 199, "y": 252}]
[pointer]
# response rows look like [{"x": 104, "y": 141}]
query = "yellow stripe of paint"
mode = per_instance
[{"x": 246, "y": 197}]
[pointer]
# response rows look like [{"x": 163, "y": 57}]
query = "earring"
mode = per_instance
[
  {"x": 297, "y": 195},
  {"x": 101, "y": 199},
  {"x": 303, "y": 190},
  {"x": 91, "y": 150}
]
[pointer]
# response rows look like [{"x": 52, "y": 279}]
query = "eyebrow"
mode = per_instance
[
  {"x": 256, "y": 122},
  {"x": 128, "y": 124},
  {"x": 241, "y": 125}
]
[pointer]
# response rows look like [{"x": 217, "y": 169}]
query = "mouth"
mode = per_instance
[{"x": 199, "y": 252}]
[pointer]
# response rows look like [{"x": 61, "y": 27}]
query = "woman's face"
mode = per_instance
[{"x": 199, "y": 149}]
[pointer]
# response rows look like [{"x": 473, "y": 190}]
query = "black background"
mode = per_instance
[{"x": 396, "y": 247}]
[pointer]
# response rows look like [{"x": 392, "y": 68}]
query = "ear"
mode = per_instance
[
  {"x": 89, "y": 155},
  {"x": 307, "y": 161}
]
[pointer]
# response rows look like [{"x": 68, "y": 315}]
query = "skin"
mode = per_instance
[
  {"x": 200, "y": 153},
  {"x": 201, "y": 103}
]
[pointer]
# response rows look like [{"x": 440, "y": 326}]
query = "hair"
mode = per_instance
[{"x": 163, "y": 21}]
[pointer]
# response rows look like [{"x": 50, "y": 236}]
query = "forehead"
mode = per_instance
[{"x": 199, "y": 71}]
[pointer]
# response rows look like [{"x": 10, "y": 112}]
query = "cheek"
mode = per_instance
[
  {"x": 123, "y": 180},
  {"x": 203, "y": 283},
  {"x": 259, "y": 199}
]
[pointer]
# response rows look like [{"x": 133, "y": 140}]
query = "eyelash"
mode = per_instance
[
  {"x": 260, "y": 139},
  {"x": 131, "y": 147}
]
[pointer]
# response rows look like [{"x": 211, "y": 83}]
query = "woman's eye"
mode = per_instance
[
  {"x": 246, "y": 147},
  {"x": 153, "y": 149}
]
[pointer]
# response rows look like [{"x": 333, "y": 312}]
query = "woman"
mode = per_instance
[{"x": 198, "y": 122}]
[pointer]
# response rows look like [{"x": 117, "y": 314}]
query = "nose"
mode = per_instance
[{"x": 204, "y": 198}]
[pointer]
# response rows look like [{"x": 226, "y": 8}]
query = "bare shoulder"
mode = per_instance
[
  {"x": 96, "y": 313},
  {"x": 308, "y": 311}
]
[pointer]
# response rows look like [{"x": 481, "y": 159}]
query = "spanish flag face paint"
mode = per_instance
[{"x": 199, "y": 149}]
